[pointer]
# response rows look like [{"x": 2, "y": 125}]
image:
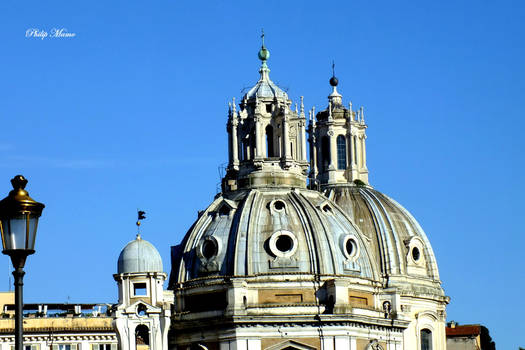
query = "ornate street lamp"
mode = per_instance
[{"x": 19, "y": 215}]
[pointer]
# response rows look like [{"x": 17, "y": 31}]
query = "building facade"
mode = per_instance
[
  {"x": 58, "y": 326},
  {"x": 299, "y": 253}
]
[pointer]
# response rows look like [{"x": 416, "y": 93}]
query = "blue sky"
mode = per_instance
[{"x": 130, "y": 113}]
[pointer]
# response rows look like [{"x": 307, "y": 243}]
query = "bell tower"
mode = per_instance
[
  {"x": 266, "y": 137},
  {"x": 337, "y": 142},
  {"x": 142, "y": 315}
]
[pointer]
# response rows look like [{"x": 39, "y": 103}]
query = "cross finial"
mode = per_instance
[
  {"x": 333, "y": 68},
  {"x": 262, "y": 37}
]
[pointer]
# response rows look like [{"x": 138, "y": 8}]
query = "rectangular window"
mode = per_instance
[
  {"x": 139, "y": 289},
  {"x": 103, "y": 346},
  {"x": 28, "y": 347},
  {"x": 64, "y": 347},
  {"x": 341, "y": 152}
]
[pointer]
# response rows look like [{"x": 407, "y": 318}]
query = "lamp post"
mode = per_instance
[{"x": 19, "y": 215}]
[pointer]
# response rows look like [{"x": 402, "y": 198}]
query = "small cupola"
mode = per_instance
[
  {"x": 266, "y": 137},
  {"x": 139, "y": 256},
  {"x": 337, "y": 142}
]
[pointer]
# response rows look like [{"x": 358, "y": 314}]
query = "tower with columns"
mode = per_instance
[
  {"x": 266, "y": 137},
  {"x": 337, "y": 142}
]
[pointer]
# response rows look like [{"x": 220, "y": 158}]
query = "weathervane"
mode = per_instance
[{"x": 141, "y": 215}]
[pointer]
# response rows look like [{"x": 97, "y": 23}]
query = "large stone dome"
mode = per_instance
[
  {"x": 272, "y": 264},
  {"x": 400, "y": 247},
  {"x": 273, "y": 231},
  {"x": 139, "y": 256}
]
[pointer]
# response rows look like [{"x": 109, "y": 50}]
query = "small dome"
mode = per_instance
[
  {"x": 139, "y": 256},
  {"x": 265, "y": 88}
]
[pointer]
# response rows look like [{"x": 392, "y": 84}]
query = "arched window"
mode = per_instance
[
  {"x": 325, "y": 152},
  {"x": 269, "y": 142},
  {"x": 426, "y": 339},
  {"x": 141, "y": 335},
  {"x": 341, "y": 152}
]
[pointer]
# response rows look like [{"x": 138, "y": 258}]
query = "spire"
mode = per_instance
[
  {"x": 264, "y": 55},
  {"x": 335, "y": 98}
]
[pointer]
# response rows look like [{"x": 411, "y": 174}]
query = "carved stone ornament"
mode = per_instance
[
  {"x": 374, "y": 345},
  {"x": 330, "y": 133}
]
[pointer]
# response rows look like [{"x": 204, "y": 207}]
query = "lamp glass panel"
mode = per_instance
[
  {"x": 33, "y": 223},
  {"x": 15, "y": 232}
]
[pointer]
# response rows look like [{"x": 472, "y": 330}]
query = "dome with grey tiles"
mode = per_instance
[
  {"x": 265, "y": 88},
  {"x": 139, "y": 256},
  {"x": 273, "y": 231},
  {"x": 399, "y": 244}
]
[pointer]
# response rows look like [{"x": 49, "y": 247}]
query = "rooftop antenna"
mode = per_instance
[{"x": 141, "y": 215}]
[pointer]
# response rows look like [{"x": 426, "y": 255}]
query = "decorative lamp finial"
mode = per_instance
[
  {"x": 264, "y": 54},
  {"x": 333, "y": 79}
]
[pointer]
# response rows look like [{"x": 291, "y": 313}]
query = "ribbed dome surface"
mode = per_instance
[
  {"x": 392, "y": 230},
  {"x": 139, "y": 256},
  {"x": 272, "y": 231},
  {"x": 265, "y": 88}
]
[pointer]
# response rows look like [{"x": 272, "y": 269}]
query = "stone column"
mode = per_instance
[
  {"x": 235, "y": 144},
  {"x": 286, "y": 137},
  {"x": 333, "y": 156},
  {"x": 303, "y": 139},
  {"x": 258, "y": 143},
  {"x": 363, "y": 137}
]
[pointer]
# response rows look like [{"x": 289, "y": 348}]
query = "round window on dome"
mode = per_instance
[
  {"x": 208, "y": 249},
  {"x": 283, "y": 244},
  {"x": 349, "y": 247},
  {"x": 416, "y": 254},
  {"x": 278, "y": 205}
]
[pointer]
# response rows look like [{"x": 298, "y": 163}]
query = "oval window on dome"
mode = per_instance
[
  {"x": 208, "y": 249},
  {"x": 349, "y": 247},
  {"x": 278, "y": 205},
  {"x": 283, "y": 244},
  {"x": 416, "y": 254}
]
